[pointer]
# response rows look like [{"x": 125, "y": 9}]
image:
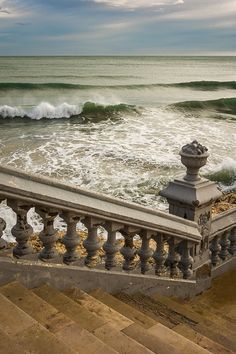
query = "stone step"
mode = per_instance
[
  {"x": 206, "y": 313},
  {"x": 201, "y": 340},
  {"x": 170, "y": 312},
  {"x": 157, "y": 345},
  {"x": 101, "y": 328},
  {"x": 73, "y": 335},
  {"x": 146, "y": 305},
  {"x": 100, "y": 309},
  {"x": 126, "y": 310},
  {"x": 183, "y": 344},
  {"x": 203, "y": 308},
  {"x": 123, "y": 343},
  {"x": 174, "y": 317},
  {"x": 67, "y": 306},
  {"x": 8, "y": 345},
  {"x": 27, "y": 332},
  {"x": 204, "y": 325},
  {"x": 135, "y": 333}
]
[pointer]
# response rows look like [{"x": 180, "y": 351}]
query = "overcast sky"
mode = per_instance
[{"x": 117, "y": 27}]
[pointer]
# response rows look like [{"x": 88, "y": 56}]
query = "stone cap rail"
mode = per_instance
[
  {"x": 41, "y": 191},
  {"x": 222, "y": 222}
]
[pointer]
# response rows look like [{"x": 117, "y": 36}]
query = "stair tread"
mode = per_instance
[
  {"x": 56, "y": 322},
  {"x": 120, "y": 341},
  {"x": 100, "y": 309},
  {"x": 144, "y": 304},
  {"x": 157, "y": 345},
  {"x": 206, "y": 312},
  {"x": 188, "y": 313},
  {"x": 102, "y": 330},
  {"x": 201, "y": 340},
  {"x": 8, "y": 345},
  {"x": 126, "y": 310},
  {"x": 150, "y": 307},
  {"x": 225, "y": 315},
  {"x": 73, "y": 310},
  {"x": 27, "y": 332},
  {"x": 175, "y": 339}
]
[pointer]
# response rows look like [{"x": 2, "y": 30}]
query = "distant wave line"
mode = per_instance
[
  {"x": 194, "y": 85},
  {"x": 222, "y": 105}
]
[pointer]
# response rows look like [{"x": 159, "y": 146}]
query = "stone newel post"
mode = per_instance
[{"x": 191, "y": 197}]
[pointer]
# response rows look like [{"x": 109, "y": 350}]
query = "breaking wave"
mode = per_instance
[
  {"x": 194, "y": 85},
  {"x": 225, "y": 173},
  {"x": 85, "y": 111}
]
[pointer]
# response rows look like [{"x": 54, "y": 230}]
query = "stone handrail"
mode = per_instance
[
  {"x": 223, "y": 221},
  {"x": 50, "y": 198}
]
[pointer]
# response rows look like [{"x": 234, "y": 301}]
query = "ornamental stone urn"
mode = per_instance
[
  {"x": 193, "y": 157},
  {"x": 191, "y": 197}
]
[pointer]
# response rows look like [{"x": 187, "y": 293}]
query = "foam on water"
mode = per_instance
[
  {"x": 132, "y": 158},
  {"x": 43, "y": 110}
]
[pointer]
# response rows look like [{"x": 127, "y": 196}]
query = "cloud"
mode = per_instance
[
  {"x": 12, "y": 9},
  {"x": 203, "y": 10},
  {"x": 135, "y": 4}
]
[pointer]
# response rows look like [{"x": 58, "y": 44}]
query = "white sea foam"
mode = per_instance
[
  {"x": 228, "y": 164},
  {"x": 43, "y": 110},
  {"x": 47, "y": 110},
  {"x": 8, "y": 111}
]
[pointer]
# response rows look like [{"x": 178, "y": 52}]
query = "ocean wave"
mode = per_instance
[
  {"x": 194, "y": 85},
  {"x": 222, "y": 105},
  {"x": 207, "y": 85},
  {"x": 225, "y": 173},
  {"x": 83, "y": 112}
]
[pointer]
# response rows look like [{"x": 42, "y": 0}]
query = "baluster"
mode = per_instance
[
  {"x": 128, "y": 251},
  {"x": 48, "y": 236},
  {"x": 172, "y": 258},
  {"x": 92, "y": 243},
  {"x": 186, "y": 261},
  {"x": 215, "y": 249},
  {"x": 145, "y": 252},
  {"x": 159, "y": 255},
  {"x": 225, "y": 243},
  {"x": 22, "y": 230},
  {"x": 232, "y": 238},
  {"x": 110, "y": 247},
  {"x": 3, "y": 243},
  {"x": 71, "y": 239}
]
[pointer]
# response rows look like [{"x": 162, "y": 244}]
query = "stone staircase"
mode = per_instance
[{"x": 45, "y": 320}]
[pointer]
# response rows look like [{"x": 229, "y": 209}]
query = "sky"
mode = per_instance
[{"x": 117, "y": 27}]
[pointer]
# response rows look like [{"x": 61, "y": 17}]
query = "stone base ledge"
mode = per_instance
[{"x": 33, "y": 274}]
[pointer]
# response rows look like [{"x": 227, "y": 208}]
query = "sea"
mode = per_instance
[{"x": 116, "y": 124}]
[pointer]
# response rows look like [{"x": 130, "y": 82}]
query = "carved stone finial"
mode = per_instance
[
  {"x": 193, "y": 156},
  {"x": 194, "y": 148}
]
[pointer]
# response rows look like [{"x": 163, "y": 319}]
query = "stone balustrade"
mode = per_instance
[
  {"x": 223, "y": 237},
  {"x": 174, "y": 237},
  {"x": 185, "y": 239}
]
